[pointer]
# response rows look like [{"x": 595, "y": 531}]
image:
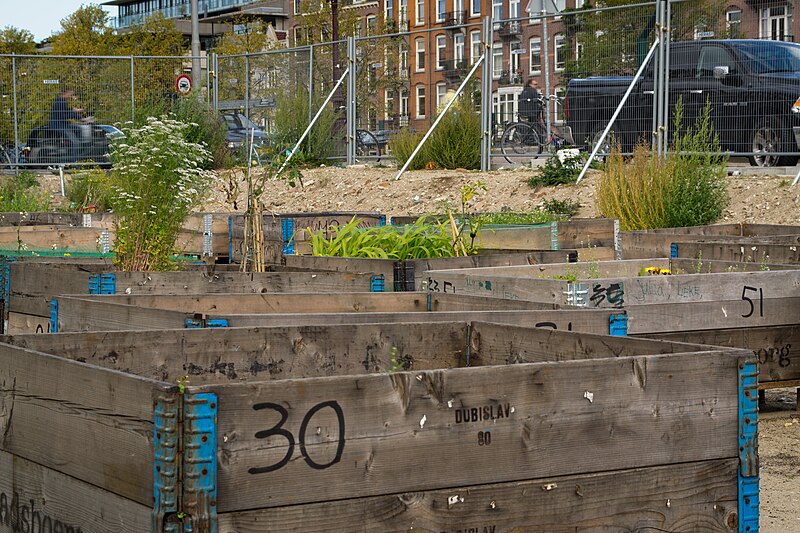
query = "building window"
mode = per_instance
[
  {"x": 560, "y": 51},
  {"x": 403, "y": 59},
  {"x": 514, "y": 58},
  {"x": 475, "y": 46},
  {"x": 420, "y": 101},
  {"x": 441, "y": 95},
  {"x": 458, "y": 48},
  {"x": 504, "y": 106},
  {"x": 558, "y": 105},
  {"x": 420, "y": 20},
  {"x": 403, "y": 14},
  {"x": 388, "y": 10},
  {"x": 420, "y": 54},
  {"x": 441, "y": 43},
  {"x": 440, "y": 10},
  {"x": 475, "y": 8},
  {"x": 513, "y": 9},
  {"x": 733, "y": 23},
  {"x": 776, "y": 23},
  {"x": 497, "y": 61},
  {"x": 297, "y": 8},
  {"x": 535, "y": 55},
  {"x": 404, "y": 105},
  {"x": 372, "y": 24},
  {"x": 497, "y": 10}
]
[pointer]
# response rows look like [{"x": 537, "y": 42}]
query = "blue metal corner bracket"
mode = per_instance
[
  {"x": 200, "y": 461},
  {"x": 103, "y": 284},
  {"x": 673, "y": 250},
  {"x": 618, "y": 325},
  {"x": 748, "y": 445},
  {"x": 53, "y": 316},
  {"x": 377, "y": 283},
  {"x": 166, "y": 440},
  {"x": 287, "y": 229}
]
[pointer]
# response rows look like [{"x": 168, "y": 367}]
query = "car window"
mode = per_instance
[
  {"x": 682, "y": 62},
  {"x": 714, "y": 56},
  {"x": 231, "y": 122}
]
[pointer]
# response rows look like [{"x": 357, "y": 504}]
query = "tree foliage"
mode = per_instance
[
  {"x": 85, "y": 32},
  {"x": 16, "y": 41}
]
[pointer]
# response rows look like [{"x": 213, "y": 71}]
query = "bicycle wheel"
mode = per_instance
[
  {"x": 520, "y": 139},
  {"x": 367, "y": 144}
]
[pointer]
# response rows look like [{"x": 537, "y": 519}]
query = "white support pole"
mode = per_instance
[
  {"x": 441, "y": 116},
  {"x": 599, "y": 142},
  {"x": 314, "y": 120}
]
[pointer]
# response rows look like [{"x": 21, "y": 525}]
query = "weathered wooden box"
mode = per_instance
[{"x": 286, "y": 429}]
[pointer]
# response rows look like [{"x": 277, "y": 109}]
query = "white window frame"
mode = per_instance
[
  {"x": 559, "y": 44},
  {"x": 441, "y": 95},
  {"x": 497, "y": 62},
  {"x": 419, "y": 54},
  {"x": 441, "y": 8},
  {"x": 419, "y": 101},
  {"x": 497, "y": 10},
  {"x": 403, "y": 57},
  {"x": 441, "y": 47},
  {"x": 513, "y": 9},
  {"x": 472, "y": 5},
  {"x": 402, "y": 11},
  {"x": 388, "y": 10},
  {"x": 372, "y": 24},
  {"x": 535, "y": 68},
  {"x": 766, "y": 18},
  {"x": 419, "y": 16},
  {"x": 737, "y": 22},
  {"x": 458, "y": 48},
  {"x": 404, "y": 103},
  {"x": 474, "y": 44},
  {"x": 513, "y": 59},
  {"x": 298, "y": 8}
]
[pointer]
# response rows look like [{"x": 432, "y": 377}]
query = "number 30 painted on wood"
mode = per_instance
[{"x": 277, "y": 429}]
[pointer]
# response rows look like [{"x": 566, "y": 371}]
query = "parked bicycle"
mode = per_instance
[
  {"x": 10, "y": 157},
  {"x": 526, "y": 137}
]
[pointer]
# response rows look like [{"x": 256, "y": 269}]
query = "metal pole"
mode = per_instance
[
  {"x": 486, "y": 97},
  {"x": 16, "y": 120},
  {"x": 654, "y": 142},
  {"x": 667, "y": 47},
  {"x": 195, "y": 43},
  {"x": 310, "y": 80},
  {"x": 619, "y": 108},
  {"x": 352, "y": 52},
  {"x": 546, "y": 66},
  {"x": 247, "y": 86},
  {"x": 215, "y": 82},
  {"x": 660, "y": 26},
  {"x": 313, "y": 121},
  {"x": 441, "y": 116},
  {"x": 133, "y": 93}
]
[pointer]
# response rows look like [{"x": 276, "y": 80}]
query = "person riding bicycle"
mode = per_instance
[
  {"x": 62, "y": 114},
  {"x": 530, "y": 103}
]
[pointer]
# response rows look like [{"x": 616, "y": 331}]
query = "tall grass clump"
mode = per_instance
[
  {"x": 422, "y": 239},
  {"x": 291, "y": 120},
  {"x": 686, "y": 188},
  {"x": 455, "y": 143},
  {"x": 90, "y": 189},
  {"x": 158, "y": 177},
  {"x": 21, "y": 194},
  {"x": 204, "y": 126}
]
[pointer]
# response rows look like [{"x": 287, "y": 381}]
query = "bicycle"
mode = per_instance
[
  {"x": 525, "y": 137},
  {"x": 10, "y": 157},
  {"x": 367, "y": 145}
]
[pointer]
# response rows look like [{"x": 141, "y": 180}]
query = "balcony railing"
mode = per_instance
[
  {"x": 510, "y": 78},
  {"x": 509, "y": 30},
  {"x": 403, "y": 73},
  {"x": 454, "y": 70},
  {"x": 455, "y": 18},
  {"x": 204, "y": 7}
]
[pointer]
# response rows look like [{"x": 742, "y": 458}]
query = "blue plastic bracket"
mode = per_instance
[
  {"x": 53, "y": 316},
  {"x": 673, "y": 250},
  {"x": 198, "y": 322},
  {"x": 215, "y": 323},
  {"x": 377, "y": 283},
  {"x": 103, "y": 284},
  {"x": 166, "y": 439},
  {"x": 618, "y": 325},
  {"x": 287, "y": 228},
  {"x": 382, "y": 221},
  {"x": 748, "y": 445},
  {"x": 200, "y": 462},
  {"x": 192, "y": 323},
  {"x": 428, "y": 307}
]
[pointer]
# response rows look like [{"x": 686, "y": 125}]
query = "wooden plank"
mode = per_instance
[
  {"x": 525, "y": 238},
  {"x": 777, "y": 348},
  {"x": 746, "y": 251},
  {"x": 702, "y": 495},
  {"x": 62, "y": 238},
  {"x": 38, "y": 499},
  {"x": 644, "y": 411},
  {"x": 586, "y": 233},
  {"x": 682, "y": 265},
  {"x": 19, "y": 323},
  {"x": 40, "y": 219},
  {"x": 84, "y": 421}
]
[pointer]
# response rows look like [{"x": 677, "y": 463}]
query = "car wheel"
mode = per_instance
[
  {"x": 766, "y": 140},
  {"x": 606, "y": 146}
]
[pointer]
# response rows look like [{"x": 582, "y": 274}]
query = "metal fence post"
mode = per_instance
[
  {"x": 486, "y": 97},
  {"x": 247, "y": 85},
  {"x": 16, "y": 120},
  {"x": 133, "y": 93},
  {"x": 667, "y": 45},
  {"x": 352, "y": 51},
  {"x": 215, "y": 83},
  {"x": 310, "y": 82},
  {"x": 546, "y": 67}
]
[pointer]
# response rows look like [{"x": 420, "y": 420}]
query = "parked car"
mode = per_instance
[
  {"x": 238, "y": 128},
  {"x": 86, "y": 143},
  {"x": 753, "y": 87},
  {"x": 112, "y": 132}
]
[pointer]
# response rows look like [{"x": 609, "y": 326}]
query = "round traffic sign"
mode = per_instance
[{"x": 183, "y": 84}]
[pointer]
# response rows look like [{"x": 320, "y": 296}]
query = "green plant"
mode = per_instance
[
  {"x": 204, "y": 127},
  {"x": 561, "y": 209},
  {"x": 686, "y": 188},
  {"x": 20, "y": 193},
  {"x": 412, "y": 241},
  {"x": 398, "y": 364},
  {"x": 556, "y": 172},
  {"x": 158, "y": 176},
  {"x": 455, "y": 143},
  {"x": 90, "y": 189},
  {"x": 518, "y": 219},
  {"x": 291, "y": 120},
  {"x": 402, "y": 145}
]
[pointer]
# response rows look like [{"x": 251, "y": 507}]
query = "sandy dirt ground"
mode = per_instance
[{"x": 760, "y": 199}]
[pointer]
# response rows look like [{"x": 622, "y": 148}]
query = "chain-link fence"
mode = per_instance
[{"x": 553, "y": 78}]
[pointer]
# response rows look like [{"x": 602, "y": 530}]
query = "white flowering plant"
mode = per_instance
[{"x": 158, "y": 177}]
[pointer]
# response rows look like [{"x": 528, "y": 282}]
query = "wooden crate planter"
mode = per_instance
[
  {"x": 565, "y": 439},
  {"x": 694, "y": 305}
]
